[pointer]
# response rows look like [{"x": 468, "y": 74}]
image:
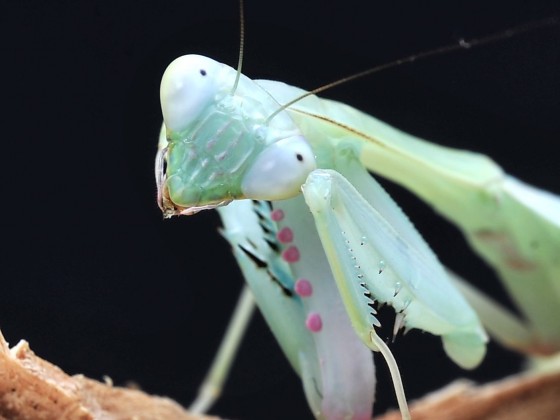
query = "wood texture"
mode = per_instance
[
  {"x": 32, "y": 388},
  {"x": 519, "y": 397}
]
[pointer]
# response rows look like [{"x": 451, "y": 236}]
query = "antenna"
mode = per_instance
[
  {"x": 461, "y": 44},
  {"x": 241, "y": 45}
]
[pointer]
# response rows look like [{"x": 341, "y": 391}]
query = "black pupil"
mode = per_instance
[
  {"x": 203, "y": 72},
  {"x": 299, "y": 157}
]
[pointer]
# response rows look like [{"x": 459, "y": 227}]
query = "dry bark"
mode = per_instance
[
  {"x": 519, "y": 397},
  {"x": 32, "y": 388}
]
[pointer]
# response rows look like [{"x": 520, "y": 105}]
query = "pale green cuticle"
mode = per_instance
[{"x": 199, "y": 174}]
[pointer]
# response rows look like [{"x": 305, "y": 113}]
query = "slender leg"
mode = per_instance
[
  {"x": 212, "y": 385},
  {"x": 507, "y": 328}
]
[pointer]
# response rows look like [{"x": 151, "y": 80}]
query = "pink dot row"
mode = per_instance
[
  {"x": 291, "y": 255},
  {"x": 313, "y": 322},
  {"x": 303, "y": 287}
]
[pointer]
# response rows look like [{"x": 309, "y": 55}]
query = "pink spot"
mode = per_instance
[
  {"x": 285, "y": 235},
  {"x": 314, "y": 323},
  {"x": 291, "y": 254},
  {"x": 277, "y": 215},
  {"x": 303, "y": 287}
]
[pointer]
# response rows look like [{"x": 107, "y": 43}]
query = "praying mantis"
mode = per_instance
[{"x": 347, "y": 215}]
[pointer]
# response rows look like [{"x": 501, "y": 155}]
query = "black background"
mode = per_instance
[{"x": 99, "y": 284}]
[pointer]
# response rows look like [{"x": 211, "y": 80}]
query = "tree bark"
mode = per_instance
[
  {"x": 32, "y": 388},
  {"x": 518, "y": 397}
]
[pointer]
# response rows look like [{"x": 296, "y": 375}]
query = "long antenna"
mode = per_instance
[
  {"x": 460, "y": 45},
  {"x": 241, "y": 45}
]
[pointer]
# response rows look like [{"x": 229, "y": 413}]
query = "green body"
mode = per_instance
[
  {"x": 513, "y": 226},
  {"x": 348, "y": 238}
]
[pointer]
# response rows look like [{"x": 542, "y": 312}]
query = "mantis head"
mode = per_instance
[{"x": 217, "y": 145}]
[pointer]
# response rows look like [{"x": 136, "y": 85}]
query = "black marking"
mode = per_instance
[
  {"x": 284, "y": 289},
  {"x": 258, "y": 262},
  {"x": 263, "y": 264},
  {"x": 202, "y": 72},
  {"x": 263, "y": 222},
  {"x": 260, "y": 216},
  {"x": 265, "y": 228},
  {"x": 273, "y": 245}
]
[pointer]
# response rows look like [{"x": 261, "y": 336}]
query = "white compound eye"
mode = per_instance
[
  {"x": 187, "y": 85},
  {"x": 280, "y": 170}
]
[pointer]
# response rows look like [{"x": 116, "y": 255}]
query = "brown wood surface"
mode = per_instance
[
  {"x": 32, "y": 388},
  {"x": 519, "y": 397}
]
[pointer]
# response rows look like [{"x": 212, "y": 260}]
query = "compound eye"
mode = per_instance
[
  {"x": 280, "y": 170},
  {"x": 188, "y": 85}
]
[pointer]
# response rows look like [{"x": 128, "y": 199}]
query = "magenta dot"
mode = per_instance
[
  {"x": 303, "y": 287},
  {"x": 291, "y": 254},
  {"x": 314, "y": 323},
  {"x": 277, "y": 215},
  {"x": 285, "y": 235}
]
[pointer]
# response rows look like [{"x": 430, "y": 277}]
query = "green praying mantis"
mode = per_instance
[{"x": 321, "y": 244}]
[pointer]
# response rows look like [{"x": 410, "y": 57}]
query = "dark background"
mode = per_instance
[{"x": 100, "y": 285}]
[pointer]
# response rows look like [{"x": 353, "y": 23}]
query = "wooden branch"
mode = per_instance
[
  {"x": 32, "y": 388},
  {"x": 519, "y": 397}
]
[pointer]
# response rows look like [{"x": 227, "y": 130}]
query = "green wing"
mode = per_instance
[
  {"x": 373, "y": 249},
  {"x": 513, "y": 226}
]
